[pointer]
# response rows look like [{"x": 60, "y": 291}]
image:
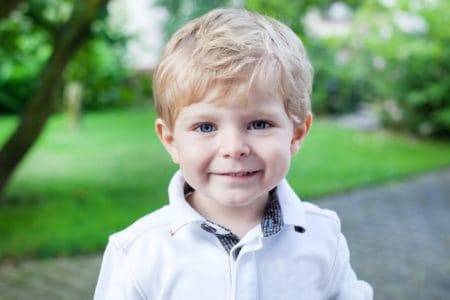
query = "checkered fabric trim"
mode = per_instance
[{"x": 272, "y": 223}]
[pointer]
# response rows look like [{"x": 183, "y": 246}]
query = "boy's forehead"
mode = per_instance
[{"x": 241, "y": 94}]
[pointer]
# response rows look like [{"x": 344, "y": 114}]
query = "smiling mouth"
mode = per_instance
[{"x": 238, "y": 174}]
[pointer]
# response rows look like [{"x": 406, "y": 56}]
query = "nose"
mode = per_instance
[{"x": 234, "y": 145}]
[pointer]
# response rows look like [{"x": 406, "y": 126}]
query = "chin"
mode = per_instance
[{"x": 237, "y": 203}]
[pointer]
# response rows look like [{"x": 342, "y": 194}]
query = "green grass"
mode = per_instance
[
  {"x": 335, "y": 159},
  {"x": 77, "y": 187}
]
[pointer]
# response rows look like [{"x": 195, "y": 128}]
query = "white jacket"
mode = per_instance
[{"x": 168, "y": 255}]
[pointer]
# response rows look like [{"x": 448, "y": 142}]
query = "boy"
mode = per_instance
[{"x": 232, "y": 93}]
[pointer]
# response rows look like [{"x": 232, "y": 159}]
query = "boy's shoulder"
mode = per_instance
[
  {"x": 297, "y": 211},
  {"x": 321, "y": 220},
  {"x": 148, "y": 224},
  {"x": 314, "y": 211}
]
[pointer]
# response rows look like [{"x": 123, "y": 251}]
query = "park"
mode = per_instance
[{"x": 79, "y": 159}]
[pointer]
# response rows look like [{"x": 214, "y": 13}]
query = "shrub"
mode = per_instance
[
  {"x": 408, "y": 47},
  {"x": 339, "y": 86}
]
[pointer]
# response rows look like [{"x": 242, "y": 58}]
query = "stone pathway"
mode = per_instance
[
  {"x": 399, "y": 238},
  {"x": 60, "y": 278}
]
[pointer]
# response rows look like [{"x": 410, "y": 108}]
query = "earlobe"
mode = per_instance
[
  {"x": 166, "y": 137},
  {"x": 300, "y": 133}
]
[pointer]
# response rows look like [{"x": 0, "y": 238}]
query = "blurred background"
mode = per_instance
[{"x": 78, "y": 156}]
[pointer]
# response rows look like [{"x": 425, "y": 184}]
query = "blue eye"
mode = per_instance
[
  {"x": 259, "y": 124},
  {"x": 206, "y": 127}
]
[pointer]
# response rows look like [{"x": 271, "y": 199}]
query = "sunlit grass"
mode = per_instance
[
  {"x": 335, "y": 159},
  {"x": 77, "y": 187}
]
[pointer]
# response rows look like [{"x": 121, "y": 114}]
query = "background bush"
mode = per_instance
[
  {"x": 416, "y": 76},
  {"x": 339, "y": 86},
  {"x": 397, "y": 57}
]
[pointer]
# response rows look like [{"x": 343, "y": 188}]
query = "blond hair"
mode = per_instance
[{"x": 225, "y": 48}]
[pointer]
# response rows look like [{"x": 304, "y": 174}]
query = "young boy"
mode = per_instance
[{"x": 232, "y": 94}]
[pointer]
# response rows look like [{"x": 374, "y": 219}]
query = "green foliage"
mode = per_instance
[
  {"x": 338, "y": 86},
  {"x": 77, "y": 187},
  {"x": 288, "y": 12},
  {"x": 27, "y": 43},
  {"x": 291, "y": 12},
  {"x": 101, "y": 69},
  {"x": 180, "y": 12},
  {"x": 420, "y": 65},
  {"x": 23, "y": 51},
  {"x": 405, "y": 70}
]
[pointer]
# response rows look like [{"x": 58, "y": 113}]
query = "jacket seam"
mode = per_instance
[
  {"x": 126, "y": 239},
  {"x": 136, "y": 284},
  {"x": 323, "y": 215},
  {"x": 333, "y": 266}
]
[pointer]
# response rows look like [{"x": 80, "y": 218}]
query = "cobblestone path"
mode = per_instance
[{"x": 399, "y": 238}]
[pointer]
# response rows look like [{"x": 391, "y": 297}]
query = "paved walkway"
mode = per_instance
[{"x": 399, "y": 237}]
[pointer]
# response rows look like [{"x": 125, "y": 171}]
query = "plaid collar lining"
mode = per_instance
[{"x": 272, "y": 223}]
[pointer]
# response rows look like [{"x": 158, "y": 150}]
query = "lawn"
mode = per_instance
[{"x": 77, "y": 187}]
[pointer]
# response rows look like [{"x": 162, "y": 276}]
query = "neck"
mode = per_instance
[{"x": 239, "y": 220}]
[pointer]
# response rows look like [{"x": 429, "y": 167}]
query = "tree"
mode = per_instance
[
  {"x": 181, "y": 12},
  {"x": 67, "y": 33},
  {"x": 291, "y": 12}
]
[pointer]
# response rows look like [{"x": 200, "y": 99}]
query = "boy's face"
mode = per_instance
[{"x": 233, "y": 154}]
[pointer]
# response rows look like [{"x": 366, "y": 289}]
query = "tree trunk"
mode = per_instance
[{"x": 42, "y": 104}]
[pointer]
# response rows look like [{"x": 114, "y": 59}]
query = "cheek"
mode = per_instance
[
  {"x": 186, "y": 148},
  {"x": 193, "y": 156},
  {"x": 189, "y": 157},
  {"x": 279, "y": 157}
]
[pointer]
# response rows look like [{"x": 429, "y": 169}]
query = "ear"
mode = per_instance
[
  {"x": 300, "y": 133},
  {"x": 167, "y": 138}
]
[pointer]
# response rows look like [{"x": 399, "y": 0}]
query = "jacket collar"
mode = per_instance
[
  {"x": 182, "y": 213},
  {"x": 291, "y": 205}
]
